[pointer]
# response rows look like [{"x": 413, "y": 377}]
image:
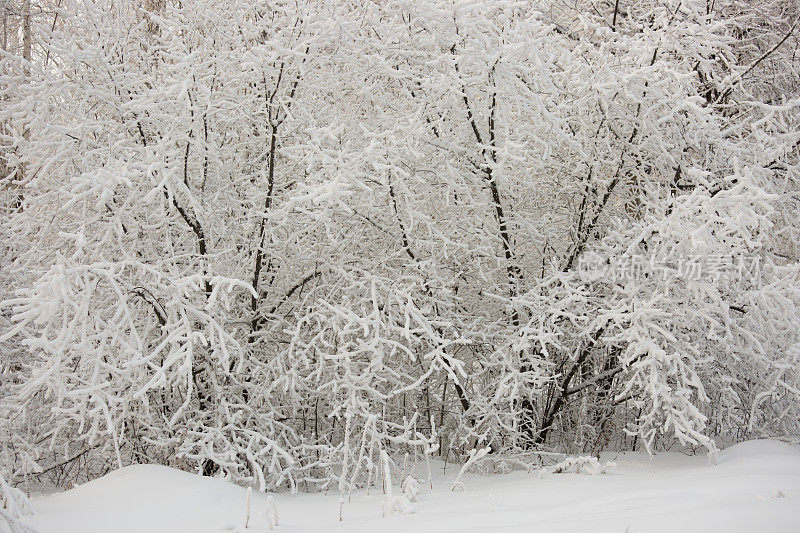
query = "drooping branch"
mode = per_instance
[{"x": 148, "y": 297}]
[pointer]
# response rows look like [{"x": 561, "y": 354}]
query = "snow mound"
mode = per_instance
[
  {"x": 147, "y": 498},
  {"x": 757, "y": 449},
  {"x": 150, "y": 485}
]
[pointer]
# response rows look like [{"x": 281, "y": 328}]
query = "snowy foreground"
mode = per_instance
[{"x": 754, "y": 486}]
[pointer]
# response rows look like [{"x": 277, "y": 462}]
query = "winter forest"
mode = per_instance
[{"x": 292, "y": 243}]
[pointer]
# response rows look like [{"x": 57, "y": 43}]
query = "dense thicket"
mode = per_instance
[{"x": 276, "y": 239}]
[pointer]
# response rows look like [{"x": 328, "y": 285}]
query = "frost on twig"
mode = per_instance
[
  {"x": 272, "y": 512},
  {"x": 14, "y": 507},
  {"x": 247, "y": 496},
  {"x": 474, "y": 456},
  {"x": 392, "y": 504}
]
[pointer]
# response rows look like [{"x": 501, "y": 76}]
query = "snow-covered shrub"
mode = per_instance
[
  {"x": 580, "y": 465},
  {"x": 272, "y": 242},
  {"x": 410, "y": 488},
  {"x": 392, "y": 504}
]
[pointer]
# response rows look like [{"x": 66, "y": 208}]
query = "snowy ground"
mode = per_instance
[{"x": 754, "y": 487}]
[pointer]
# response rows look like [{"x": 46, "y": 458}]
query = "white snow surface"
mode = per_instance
[{"x": 754, "y": 486}]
